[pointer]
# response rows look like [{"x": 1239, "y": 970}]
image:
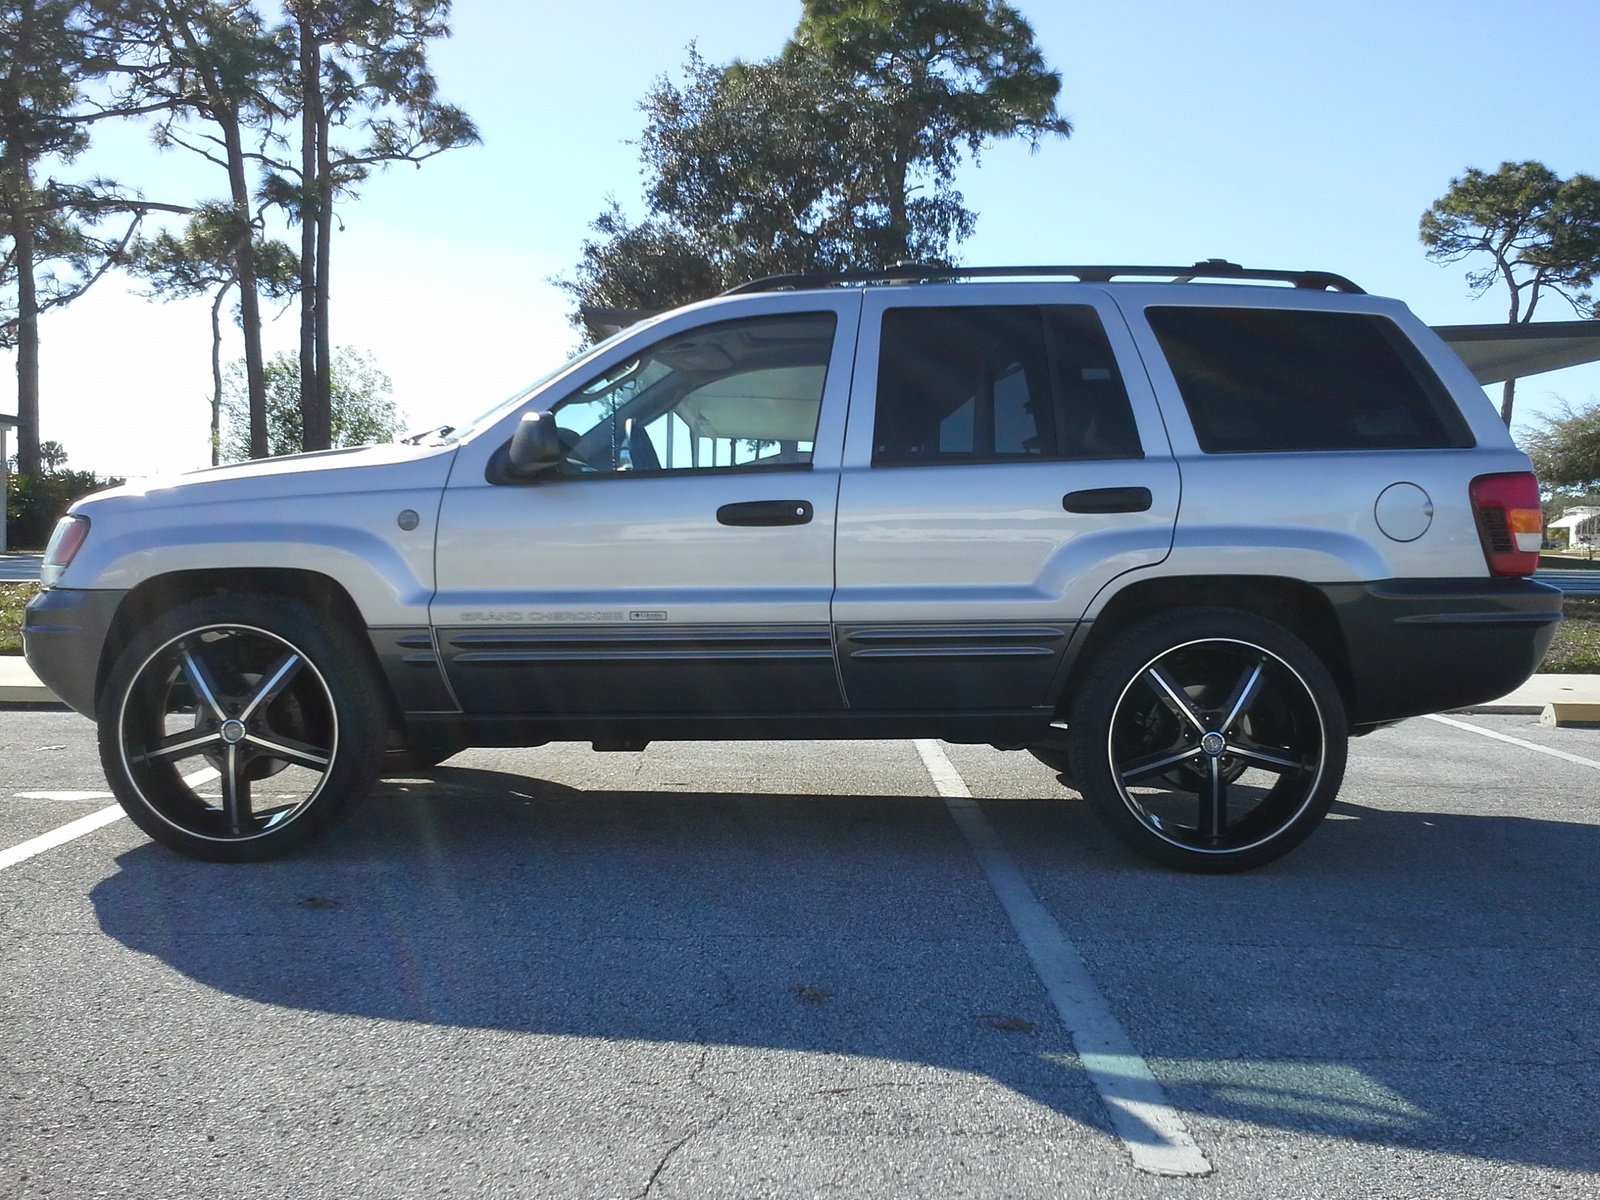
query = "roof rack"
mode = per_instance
[{"x": 1211, "y": 268}]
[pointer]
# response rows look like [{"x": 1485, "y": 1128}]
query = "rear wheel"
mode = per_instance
[
  {"x": 1209, "y": 739},
  {"x": 237, "y": 728}
]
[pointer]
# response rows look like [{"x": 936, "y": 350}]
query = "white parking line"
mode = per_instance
[
  {"x": 1515, "y": 741},
  {"x": 76, "y": 829},
  {"x": 67, "y": 832},
  {"x": 1147, "y": 1124}
]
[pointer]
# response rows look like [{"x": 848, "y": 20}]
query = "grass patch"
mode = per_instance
[
  {"x": 14, "y": 598},
  {"x": 1576, "y": 648}
]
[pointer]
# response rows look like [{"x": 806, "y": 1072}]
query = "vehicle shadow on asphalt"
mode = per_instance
[{"x": 1349, "y": 990}]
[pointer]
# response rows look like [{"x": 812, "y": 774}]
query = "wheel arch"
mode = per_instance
[
  {"x": 161, "y": 593},
  {"x": 1297, "y": 607}
]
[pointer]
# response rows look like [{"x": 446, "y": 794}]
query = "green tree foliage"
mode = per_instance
[
  {"x": 1565, "y": 448},
  {"x": 233, "y": 80},
  {"x": 202, "y": 259},
  {"x": 929, "y": 79},
  {"x": 748, "y": 160},
  {"x": 360, "y": 67},
  {"x": 647, "y": 266},
  {"x": 363, "y": 412},
  {"x": 53, "y": 242},
  {"x": 36, "y": 500},
  {"x": 840, "y": 152},
  {"x": 206, "y": 66},
  {"x": 1541, "y": 234}
]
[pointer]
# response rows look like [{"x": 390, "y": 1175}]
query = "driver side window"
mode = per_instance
[{"x": 742, "y": 394}]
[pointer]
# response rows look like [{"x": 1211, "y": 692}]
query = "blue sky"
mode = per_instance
[{"x": 1311, "y": 134}]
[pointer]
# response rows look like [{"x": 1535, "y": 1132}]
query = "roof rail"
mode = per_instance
[{"x": 1211, "y": 268}]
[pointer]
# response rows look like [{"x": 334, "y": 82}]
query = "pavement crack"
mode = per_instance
[
  {"x": 722, "y": 1112},
  {"x": 662, "y": 1164}
]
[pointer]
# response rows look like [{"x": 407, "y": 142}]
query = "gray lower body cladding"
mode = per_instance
[
  {"x": 1423, "y": 645},
  {"x": 1413, "y": 646},
  {"x": 63, "y": 635}
]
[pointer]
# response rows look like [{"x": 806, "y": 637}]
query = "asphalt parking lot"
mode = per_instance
[{"x": 794, "y": 970}]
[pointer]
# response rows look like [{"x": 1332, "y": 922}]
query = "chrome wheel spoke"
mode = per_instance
[
  {"x": 1171, "y": 692},
  {"x": 1245, "y": 693},
  {"x": 300, "y": 753},
  {"x": 201, "y": 683},
  {"x": 272, "y": 683},
  {"x": 1269, "y": 761},
  {"x": 1212, "y": 815},
  {"x": 1143, "y": 768},
  {"x": 179, "y": 745},
  {"x": 236, "y": 792}
]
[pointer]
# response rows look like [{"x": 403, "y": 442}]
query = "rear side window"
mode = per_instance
[
  {"x": 998, "y": 383},
  {"x": 1256, "y": 379}
]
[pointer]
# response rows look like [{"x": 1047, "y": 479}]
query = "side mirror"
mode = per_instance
[{"x": 536, "y": 446}]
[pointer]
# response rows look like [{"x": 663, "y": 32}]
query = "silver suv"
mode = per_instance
[{"x": 1179, "y": 539}]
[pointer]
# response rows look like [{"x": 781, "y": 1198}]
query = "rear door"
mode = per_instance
[{"x": 1005, "y": 460}]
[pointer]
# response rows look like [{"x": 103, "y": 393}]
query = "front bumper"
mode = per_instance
[
  {"x": 63, "y": 638},
  {"x": 1423, "y": 645}
]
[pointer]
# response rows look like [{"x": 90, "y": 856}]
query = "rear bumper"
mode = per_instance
[
  {"x": 1422, "y": 645},
  {"x": 63, "y": 635}
]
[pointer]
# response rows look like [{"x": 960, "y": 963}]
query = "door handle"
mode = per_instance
[
  {"x": 1108, "y": 500},
  {"x": 766, "y": 512}
]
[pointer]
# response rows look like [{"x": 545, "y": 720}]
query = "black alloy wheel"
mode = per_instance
[
  {"x": 1210, "y": 740},
  {"x": 237, "y": 728}
]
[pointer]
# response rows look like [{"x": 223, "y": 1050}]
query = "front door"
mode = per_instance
[{"x": 680, "y": 559}]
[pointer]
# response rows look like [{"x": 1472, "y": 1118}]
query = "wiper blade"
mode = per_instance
[{"x": 416, "y": 439}]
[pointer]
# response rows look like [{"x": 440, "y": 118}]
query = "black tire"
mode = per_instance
[
  {"x": 232, "y": 691},
  {"x": 1209, "y": 739}
]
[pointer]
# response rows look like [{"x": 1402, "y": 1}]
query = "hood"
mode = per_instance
[{"x": 320, "y": 473}]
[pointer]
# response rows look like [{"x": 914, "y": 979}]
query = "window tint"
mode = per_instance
[
  {"x": 734, "y": 394},
  {"x": 1256, "y": 379},
  {"x": 998, "y": 383}
]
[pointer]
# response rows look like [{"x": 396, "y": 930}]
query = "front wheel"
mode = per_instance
[
  {"x": 237, "y": 728},
  {"x": 1209, "y": 739}
]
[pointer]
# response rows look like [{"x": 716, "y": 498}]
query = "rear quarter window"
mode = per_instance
[{"x": 1260, "y": 380}]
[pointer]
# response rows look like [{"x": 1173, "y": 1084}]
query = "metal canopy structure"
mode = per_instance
[{"x": 1496, "y": 353}]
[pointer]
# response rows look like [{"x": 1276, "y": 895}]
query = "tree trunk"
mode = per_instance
[
  {"x": 899, "y": 222},
  {"x": 324, "y": 251},
  {"x": 27, "y": 335},
  {"x": 311, "y": 421},
  {"x": 1508, "y": 394},
  {"x": 17, "y": 178},
  {"x": 216, "y": 375},
  {"x": 227, "y": 117}
]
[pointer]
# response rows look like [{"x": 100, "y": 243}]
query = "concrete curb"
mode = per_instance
[{"x": 19, "y": 685}]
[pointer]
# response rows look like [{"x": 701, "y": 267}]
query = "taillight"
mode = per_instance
[
  {"x": 1510, "y": 521},
  {"x": 65, "y": 543}
]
